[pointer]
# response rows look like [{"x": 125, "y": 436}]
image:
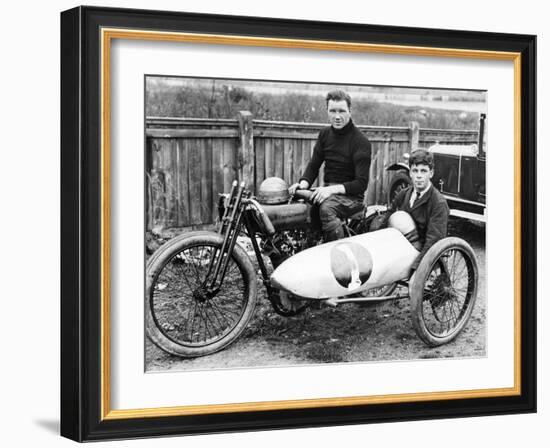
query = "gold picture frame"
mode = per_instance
[{"x": 86, "y": 313}]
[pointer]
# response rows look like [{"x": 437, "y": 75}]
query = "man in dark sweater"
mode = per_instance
[
  {"x": 346, "y": 153},
  {"x": 427, "y": 206}
]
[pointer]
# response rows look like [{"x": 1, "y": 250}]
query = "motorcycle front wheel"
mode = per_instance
[{"x": 182, "y": 317}]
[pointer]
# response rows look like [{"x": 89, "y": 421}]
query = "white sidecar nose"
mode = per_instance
[{"x": 347, "y": 266}]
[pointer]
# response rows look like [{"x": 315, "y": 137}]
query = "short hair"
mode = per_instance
[
  {"x": 338, "y": 95},
  {"x": 421, "y": 157}
]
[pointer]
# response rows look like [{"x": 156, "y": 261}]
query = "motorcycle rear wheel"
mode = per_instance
[{"x": 181, "y": 317}]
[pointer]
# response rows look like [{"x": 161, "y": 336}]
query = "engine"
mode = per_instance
[{"x": 287, "y": 243}]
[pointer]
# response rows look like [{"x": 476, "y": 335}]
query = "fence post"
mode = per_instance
[
  {"x": 414, "y": 135},
  {"x": 245, "y": 154}
]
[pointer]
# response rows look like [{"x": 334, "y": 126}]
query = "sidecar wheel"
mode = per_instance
[
  {"x": 443, "y": 291},
  {"x": 180, "y": 317},
  {"x": 285, "y": 303}
]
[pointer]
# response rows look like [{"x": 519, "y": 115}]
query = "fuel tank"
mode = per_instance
[
  {"x": 347, "y": 266},
  {"x": 288, "y": 216}
]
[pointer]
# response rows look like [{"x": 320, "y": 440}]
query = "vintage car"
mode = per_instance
[{"x": 459, "y": 173}]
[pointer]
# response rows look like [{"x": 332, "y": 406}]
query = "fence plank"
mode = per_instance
[
  {"x": 179, "y": 201},
  {"x": 159, "y": 203},
  {"x": 191, "y": 133},
  {"x": 285, "y": 134},
  {"x": 234, "y": 167},
  {"x": 148, "y": 185},
  {"x": 228, "y": 177},
  {"x": 167, "y": 168},
  {"x": 414, "y": 135},
  {"x": 183, "y": 182},
  {"x": 260, "y": 162},
  {"x": 194, "y": 182},
  {"x": 371, "y": 189},
  {"x": 393, "y": 153},
  {"x": 217, "y": 172},
  {"x": 380, "y": 179},
  {"x": 385, "y": 164},
  {"x": 157, "y": 180},
  {"x": 269, "y": 158},
  {"x": 297, "y": 161},
  {"x": 246, "y": 148},
  {"x": 279, "y": 157},
  {"x": 148, "y": 202},
  {"x": 306, "y": 157},
  {"x": 206, "y": 180},
  {"x": 297, "y": 165},
  {"x": 288, "y": 159}
]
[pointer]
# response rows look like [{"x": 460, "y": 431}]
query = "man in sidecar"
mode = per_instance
[
  {"x": 427, "y": 206},
  {"x": 346, "y": 152}
]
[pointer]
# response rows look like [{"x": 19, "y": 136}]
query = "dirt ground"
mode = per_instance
[{"x": 347, "y": 333}]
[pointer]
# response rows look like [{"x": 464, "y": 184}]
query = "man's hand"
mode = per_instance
[
  {"x": 302, "y": 185},
  {"x": 322, "y": 193}
]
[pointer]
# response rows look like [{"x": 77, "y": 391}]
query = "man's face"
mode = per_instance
[
  {"x": 421, "y": 175},
  {"x": 338, "y": 113}
]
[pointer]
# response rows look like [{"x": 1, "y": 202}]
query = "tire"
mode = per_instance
[
  {"x": 443, "y": 291},
  {"x": 285, "y": 303},
  {"x": 179, "y": 317},
  {"x": 400, "y": 181}
]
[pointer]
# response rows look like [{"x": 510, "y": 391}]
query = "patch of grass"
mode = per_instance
[
  {"x": 428, "y": 355},
  {"x": 402, "y": 336},
  {"x": 323, "y": 351}
]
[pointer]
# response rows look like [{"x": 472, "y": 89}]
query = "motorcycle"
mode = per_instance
[{"x": 201, "y": 286}]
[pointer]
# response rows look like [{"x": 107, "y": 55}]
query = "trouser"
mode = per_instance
[{"x": 329, "y": 214}]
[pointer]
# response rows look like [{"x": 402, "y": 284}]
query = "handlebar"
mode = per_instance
[{"x": 303, "y": 194}]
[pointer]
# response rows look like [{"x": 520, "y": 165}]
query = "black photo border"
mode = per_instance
[{"x": 85, "y": 412}]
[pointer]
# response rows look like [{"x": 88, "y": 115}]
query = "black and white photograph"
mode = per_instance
[
  {"x": 291, "y": 224},
  {"x": 274, "y": 224}
]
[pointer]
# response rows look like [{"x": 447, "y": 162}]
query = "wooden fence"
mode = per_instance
[{"x": 190, "y": 161}]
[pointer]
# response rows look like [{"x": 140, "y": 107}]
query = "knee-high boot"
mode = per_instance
[{"x": 333, "y": 235}]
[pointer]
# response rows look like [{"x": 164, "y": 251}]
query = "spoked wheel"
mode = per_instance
[
  {"x": 283, "y": 302},
  {"x": 184, "y": 317},
  {"x": 286, "y": 304},
  {"x": 443, "y": 291},
  {"x": 400, "y": 182}
]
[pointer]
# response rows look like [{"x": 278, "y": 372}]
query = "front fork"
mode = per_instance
[
  {"x": 230, "y": 225},
  {"x": 234, "y": 217}
]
